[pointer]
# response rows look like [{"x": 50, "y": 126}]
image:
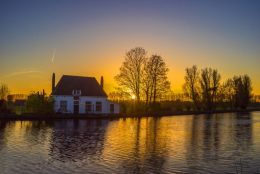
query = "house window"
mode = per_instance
[
  {"x": 88, "y": 107},
  {"x": 112, "y": 108},
  {"x": 76, "y": 92},
  {"x": 98, "y": 106},
  {"x": 63, "y": 106}
]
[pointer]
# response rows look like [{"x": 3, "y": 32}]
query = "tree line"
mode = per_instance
[
  {"x": 206, "y": 91},
  {"x": 35, "y": 102},
  {"x": 146, "y": 78}
]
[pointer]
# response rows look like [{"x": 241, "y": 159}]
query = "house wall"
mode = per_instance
[
  {"x": 69, "y": 100},
  {"x": 82, "y": 104}
]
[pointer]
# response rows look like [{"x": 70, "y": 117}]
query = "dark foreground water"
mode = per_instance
[{"x": 221, "y": 143}]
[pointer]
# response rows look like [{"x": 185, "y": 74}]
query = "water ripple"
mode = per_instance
[{"x": 221, "y": 143}]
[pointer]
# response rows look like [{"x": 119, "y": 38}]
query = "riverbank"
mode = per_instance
[{"x": 27, "y": 116}]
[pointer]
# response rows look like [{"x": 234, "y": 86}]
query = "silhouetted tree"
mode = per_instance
[
  {"x": 243, "y": 89},
  {"x": 131, "y": 71},
  {"x": 4, "y": 91},
  {"x": 155, "y": 81},
  {"x": 147, "y": 82},
  {"x": 39, "y": 103},
  {"x": 228, "y": 93},
  {"x": 191, "y": 85},
  {"x": 3, "y": 105},
  {"x": 209, "y": 83},
  {"x": 119, "y": 95}
]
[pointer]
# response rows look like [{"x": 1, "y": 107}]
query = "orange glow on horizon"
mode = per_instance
[{"x": 107, "y": 64}]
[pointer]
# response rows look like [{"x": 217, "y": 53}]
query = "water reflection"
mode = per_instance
[
  {"x": 147, "y": 147},
  {"x": 184, "y": 144},
  {"x": 75, "y": 140},
  {"x": 217, "y": 139},
  {"x": 2, "y": 129},
  {"x": 148, "y": 144}
]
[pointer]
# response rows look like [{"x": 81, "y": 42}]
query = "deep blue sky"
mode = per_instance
[{"x": 224, "y": 34}]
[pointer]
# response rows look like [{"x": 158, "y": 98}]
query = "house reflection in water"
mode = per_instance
[
  {"x": 183, "y": 144},
  {"x": 74, "y": 140}
]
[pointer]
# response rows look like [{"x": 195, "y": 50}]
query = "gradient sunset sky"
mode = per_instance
[{"x": 90, "y": 38}]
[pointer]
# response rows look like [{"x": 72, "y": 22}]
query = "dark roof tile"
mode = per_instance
[{"x": 88, "y": 86}]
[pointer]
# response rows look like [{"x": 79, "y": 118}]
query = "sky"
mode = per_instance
[{"x": 90, "y": 38}]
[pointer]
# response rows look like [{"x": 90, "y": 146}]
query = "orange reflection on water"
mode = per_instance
[{"x": 146, "y": 139}]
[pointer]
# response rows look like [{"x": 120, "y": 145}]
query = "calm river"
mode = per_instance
[{"x": 221, "y": 143}]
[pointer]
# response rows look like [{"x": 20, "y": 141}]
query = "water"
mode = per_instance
[{"x": 221, "y": 143}]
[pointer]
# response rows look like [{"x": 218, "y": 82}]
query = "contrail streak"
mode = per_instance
[
  {"x": 53, "y": 55},
  {"x": 22, "y": 73}
]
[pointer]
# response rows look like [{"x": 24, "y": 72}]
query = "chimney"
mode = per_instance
[
  {"x": 53, "y": 83},
  {"x": 102, "y": 82}
]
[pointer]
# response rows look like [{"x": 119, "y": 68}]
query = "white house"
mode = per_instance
[{"x": 81, "y": 95}]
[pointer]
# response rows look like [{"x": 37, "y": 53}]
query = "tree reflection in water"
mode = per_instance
[
  {"x": 218, "y": 138},
  {"x": 181, "y": 144},
  {"x": 149, "y": 150}
]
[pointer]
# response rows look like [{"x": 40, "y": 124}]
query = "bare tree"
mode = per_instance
[
  {"x": 243, "y": 90},
  {"x": 228, "y": 92},
  {"x": 4, "y": 91},
  {"x": 247, "y": 91},
  {"x": 147, "y": 82},
  {"x": 131, "y": 71},
  {"x": 191, "y": 85},
  {"x": 209, "y": 83},
  {"x": 156, "y": 83},
  {"x": 119, "y": 95}
]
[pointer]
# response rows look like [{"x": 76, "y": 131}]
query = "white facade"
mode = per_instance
[{"x": 84, "y": 104}]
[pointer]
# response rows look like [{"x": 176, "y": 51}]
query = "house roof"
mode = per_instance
[{"x": 88, "y": 86}]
